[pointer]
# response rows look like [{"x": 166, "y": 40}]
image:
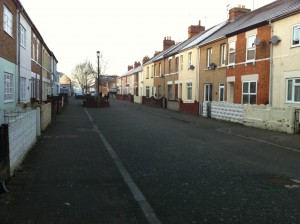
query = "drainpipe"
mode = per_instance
[
  {"x": 18, "y": 52},
  {"x": 271, "y": 67}
]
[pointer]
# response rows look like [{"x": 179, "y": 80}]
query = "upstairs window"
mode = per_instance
[
  {"x": 293, "y": 90},
  {"x": 7, "y": 21},
  {"x": 181, "y": 62},
  {"x": 296, "y": 35},
  {"x": 190, "y": 60},
  {"x": 159, "y": 69},
  {"x": 209, "y": 57},
  {"x": 231, "y": 56},
  {"x": 250, "y": 48},
  {"x": 147, "y": 75},
  {"x": 223, "y": 55},
  {"x": 22, "y": 36},
  {"x": 170, "y": 66}
]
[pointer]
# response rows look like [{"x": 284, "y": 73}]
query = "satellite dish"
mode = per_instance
[
  {"x": 257, "y": 41},
  {"x": 274, "y": 39}
]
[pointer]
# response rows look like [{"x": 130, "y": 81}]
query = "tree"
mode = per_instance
[{"x": 85, "y": 75}]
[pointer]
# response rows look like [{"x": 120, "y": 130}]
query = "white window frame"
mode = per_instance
[
  {"x": 208, "y": 92},
  {"x": 23, "y": 89},
  {"x": 221, "y": 90},
  {"x": 160, "y": 69},
  {"x": 190, "y": 59},
  {"x": 7, "y": 21},
  {"x": 189, "y": 91},
  {"x": 248, "y": 93},
  {"x": 181, "y": 62},
  {"x": 209, "y": 56},
  {"x": 223, "y": 55},
  {"x": 152, "y": 71},
  {"x": 250, "y": 46},
  {"x": 291, "y": 98},
  {"x": 297, "y": 35},
  {"x": 22, "y": 36},
  {"x": 231, "y": 52},
  {"x": 8, "y": 88},
  {"x": 148, "y": 91},
  {"x": 147, "y": 74}
]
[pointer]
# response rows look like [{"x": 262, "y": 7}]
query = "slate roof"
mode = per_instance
[
  {"x": 133, "y": 71},
  {"x": 262, "y": 15}
]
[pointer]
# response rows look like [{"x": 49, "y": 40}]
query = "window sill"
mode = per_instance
[
  {"x": 294, "y": 46},
  {"x": 9, "y": 101}
]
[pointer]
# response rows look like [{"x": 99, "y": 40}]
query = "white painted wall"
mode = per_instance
[
  {"x": 25, "y": 59},
  {"x": 22, "y": 136}
]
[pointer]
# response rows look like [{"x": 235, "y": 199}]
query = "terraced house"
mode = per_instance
[{"x": 28, "y": 67}]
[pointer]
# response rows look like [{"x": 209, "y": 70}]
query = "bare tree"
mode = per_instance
[{"x": 85, "y": 75}]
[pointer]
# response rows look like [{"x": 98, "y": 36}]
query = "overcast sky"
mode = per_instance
[{"x": 124, "y": 31}]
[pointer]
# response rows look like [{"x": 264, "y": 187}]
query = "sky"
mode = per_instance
[{"x": 123, "y": 31}]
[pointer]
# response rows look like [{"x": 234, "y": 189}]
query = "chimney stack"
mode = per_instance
[
  {"x": 168, "y": 43},
  {"x": 137, "y": 64},
  {"x": 237, "y": 11},
  {"x": 156, "y": 53},
  {"x": 195, "y": 29},
  {"x": 145, "y": 59},
  {"x": 130, "y": 67}
]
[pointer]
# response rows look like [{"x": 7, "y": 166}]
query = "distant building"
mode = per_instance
[{"x": 65, "y": 84}]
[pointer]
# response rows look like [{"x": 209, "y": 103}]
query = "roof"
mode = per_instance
[
  {"x": 204, "y": 35},
  {"x": 263, "y": 15},
  {"x": 181, "y": 45},
  {"x": 133, "y": 71}
]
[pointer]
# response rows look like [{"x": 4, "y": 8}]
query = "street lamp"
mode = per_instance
[{"x": 98, "y": 92}]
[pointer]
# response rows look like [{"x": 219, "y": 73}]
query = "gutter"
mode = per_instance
[{"x": 19, "y": 52}]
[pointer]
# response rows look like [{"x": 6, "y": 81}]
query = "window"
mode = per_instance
[
  {"x": 23, "y": 89},
  {"x": 181, "y": 62},
  {"x": 209, "y": 57},
  {"x": 190, "y": 60},
  {"x": 249, "y": 92},
  {"x": 147, "y": 91},
  {"x": 8, "y": 87},
  {"x": 293, "y": 90},
  {"x": 250, "y": 48},
  {"x": 296, "y": 35},
  {"x": 208, "y": 92},
  {"x": 170, "y": 66},
  {"x": 7, "y": 21},
  {"x": 170, "y": 92},
  {"x": 189, "y": 88},
  {"x": 159, "y": 91},
  {"x": 221, "y": 92},
  {"x": 176, "y": 91},
  {"x": 37, "y": 50},
  {"x": 152, "y": 71},
  {"x": 160, "y": 69},
  {"x": 33, "y": 47},
  {"x": 22, "y": 36},
  {"x": 177, "y": 64},
  {"x": 147, "y": 75},
  {"x": 223, "y": 55},
  {"x": 231, "y": 57}
]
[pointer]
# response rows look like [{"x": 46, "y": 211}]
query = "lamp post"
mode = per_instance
[{"x": 98, "y": 92}]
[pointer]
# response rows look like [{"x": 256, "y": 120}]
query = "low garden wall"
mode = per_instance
[{"x": 173, "y": 105}]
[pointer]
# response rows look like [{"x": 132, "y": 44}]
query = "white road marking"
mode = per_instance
[
  {"x": 259, "y": 140},
  {"x": 136, "y": 192}
]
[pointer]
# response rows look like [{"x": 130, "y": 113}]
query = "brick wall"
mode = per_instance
[
  {"x": 261, "y": 66},
  {"x": 8, "y": 46},
  {"x": 189, "y": 108}
]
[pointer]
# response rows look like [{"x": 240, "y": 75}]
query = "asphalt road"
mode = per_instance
[
  {"x": 136, "y": 164},
  {"x": 198, "y": 170}
]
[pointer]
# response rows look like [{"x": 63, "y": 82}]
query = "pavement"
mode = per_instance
[{"x": 70, "y": 177}]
